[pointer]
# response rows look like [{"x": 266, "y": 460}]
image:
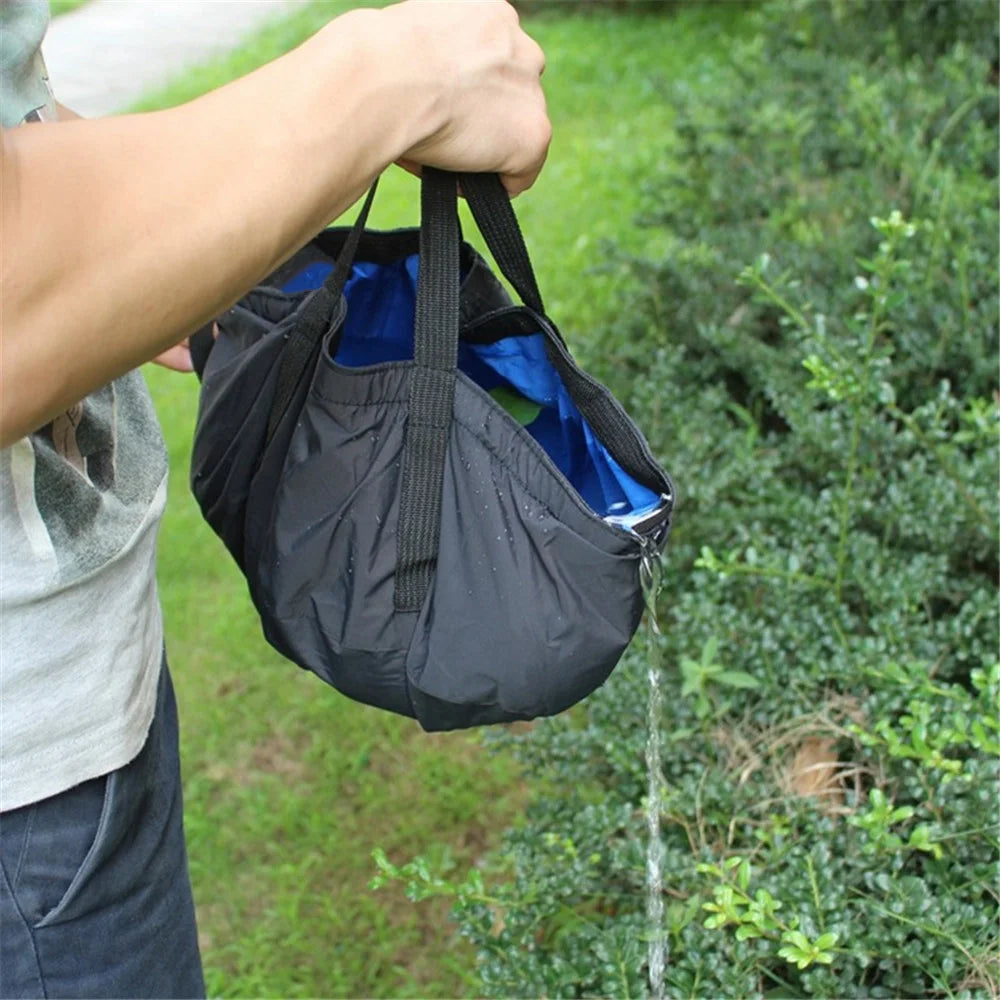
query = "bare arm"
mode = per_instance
[
  {"x": 178, "y": 357},
  {"x": 122, "y": 235}
]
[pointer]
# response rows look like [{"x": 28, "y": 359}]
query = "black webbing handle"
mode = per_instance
[
  {"x": 299, "y": 353},
  {"x": 334, "y": 284},
  {"x": 494, "y": 215},
  {"x": 432, "y": 390}
]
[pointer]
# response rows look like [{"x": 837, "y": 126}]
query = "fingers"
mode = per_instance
[
  {"x": 410, "y": 166},
  {"x": 535, "y": 128},
  {"x": 537, "y": 55},
  {"x": 487, "y": 73},
  {"x": 515, "y": 183},
  {"x": 177, "y": 358}
]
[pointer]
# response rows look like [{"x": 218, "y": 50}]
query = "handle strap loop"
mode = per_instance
[
  {"x": 494, "y": 215},
  {"x": 299, "y": 353}
]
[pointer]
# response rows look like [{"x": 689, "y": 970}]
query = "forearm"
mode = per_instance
[{"x": 122, "y": 235}]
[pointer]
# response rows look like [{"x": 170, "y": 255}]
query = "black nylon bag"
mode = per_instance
[{"x": 403, "y": 534}]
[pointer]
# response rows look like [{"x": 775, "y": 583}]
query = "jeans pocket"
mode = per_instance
[{"x": 46, "y": 847}]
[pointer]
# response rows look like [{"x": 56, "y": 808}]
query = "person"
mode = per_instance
[{"x": 120, "y": 237}]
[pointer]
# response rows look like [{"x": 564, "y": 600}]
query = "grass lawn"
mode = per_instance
[
  {"x": 64, "y": 6},
  {"x": 289, "y": 785}
]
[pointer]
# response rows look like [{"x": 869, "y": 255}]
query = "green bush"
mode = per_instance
[
  {"x": 876, "y": 29},
  {"x": 815, "y": 358}
]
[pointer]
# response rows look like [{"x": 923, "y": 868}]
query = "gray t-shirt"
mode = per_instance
[{"x": 80, "y": 501}]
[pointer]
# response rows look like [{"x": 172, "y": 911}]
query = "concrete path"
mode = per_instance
[{"x": 105, "y": 55}]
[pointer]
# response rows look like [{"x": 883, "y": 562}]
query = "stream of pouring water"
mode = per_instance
[{"x": 657, "y": 957}]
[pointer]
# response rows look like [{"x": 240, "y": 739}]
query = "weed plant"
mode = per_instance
[{"x": 814, "y": 355}]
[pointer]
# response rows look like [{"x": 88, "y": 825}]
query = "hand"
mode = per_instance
[
  {"x": 483, "y": 75},
  {"x": 176, "y": 358}
]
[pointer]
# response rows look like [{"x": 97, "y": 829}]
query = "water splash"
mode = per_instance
[{"x": 650, "y": 567}]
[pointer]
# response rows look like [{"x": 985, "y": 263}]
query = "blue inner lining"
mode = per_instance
[{"x": 516, "y": 371}]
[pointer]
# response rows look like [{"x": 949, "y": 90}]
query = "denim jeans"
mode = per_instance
[{"x": 95, "y": 898}]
